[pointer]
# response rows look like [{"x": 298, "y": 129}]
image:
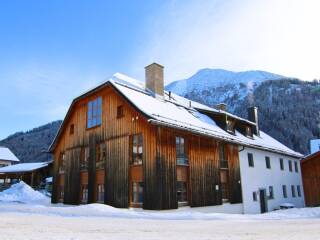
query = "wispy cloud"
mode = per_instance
[
  {"x": 43, "y": 92},
  {"x": 278, "y": 36}
]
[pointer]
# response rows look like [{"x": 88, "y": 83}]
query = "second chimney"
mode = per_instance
[
  {"x": 221, "y": 106},
  {"x": 253, "y": 117},
  {"x": 154, "y": 78}
]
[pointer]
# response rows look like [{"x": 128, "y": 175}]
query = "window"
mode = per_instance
[
  {"x": 224, "y": 180},
  {"x": 100, "y": 156},
  {"x": 137, "y": 149},
  {"x": 250, "y": 160},
  {"x": 182, "y": 194},
  {"x": 249, "y": 131},
  {"x": 293, "y": 192},
  {"x": 290, "y": 166},
  {"x": 120, "y": 113},
  {"x": 181, "y": 156},
  {"x": 94, "y": 113},
  {"x": 84, "y": 158},
  {"x": 230, "y": 126},
  {"x": 299, "y": 191},
  {"x": 137, "y": 192},
  {"x": 271, "y": 194},
  {"x": 71, "y": 130},
  {"x": 84, "y": 193},
  {"x": 222, "y": 156},
  {"x": 268, "y": 165},
  {"x": 61, "y": 194},
  {"x": 62, "y": 162},
  {"x": 100, "y": 193},
  {"x": 284, "y": 191},
  {"x": 254, "y": 196},
  {"x": 281, "y": 164},
  {"x": 295, "y": 166}
]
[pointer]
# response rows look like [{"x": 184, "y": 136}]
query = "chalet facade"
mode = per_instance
[
  {"x": 310, "y": 166},
  {"x": 127, "y": 144}
]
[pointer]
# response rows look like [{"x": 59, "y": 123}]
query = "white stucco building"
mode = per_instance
[{"x": 266, "y": 184}]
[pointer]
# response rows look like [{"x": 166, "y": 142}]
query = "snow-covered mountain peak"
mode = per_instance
[{"x": 212, "y": 78}]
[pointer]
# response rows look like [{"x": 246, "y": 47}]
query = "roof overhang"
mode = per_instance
[{"x": 221, "y": 138}]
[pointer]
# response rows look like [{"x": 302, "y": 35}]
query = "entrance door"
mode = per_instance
[{"x": 263, "y": 200}]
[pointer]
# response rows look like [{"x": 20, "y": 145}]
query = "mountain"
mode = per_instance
[
  {"x": 213, "y": 86},
  {"x": 31, "y": 146},
  {"x": 289, "y": 111},
  {"x": 288, "y": 108}
]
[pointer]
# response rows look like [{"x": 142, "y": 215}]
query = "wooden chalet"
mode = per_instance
[
  {"x": 310, "y": 167},
  {"x": 127, "y": 144}
]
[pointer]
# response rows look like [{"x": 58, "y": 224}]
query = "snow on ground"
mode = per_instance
[{"x": 24, "y": 214}]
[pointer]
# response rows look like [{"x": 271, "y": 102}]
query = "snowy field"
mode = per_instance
[{"x": 26, "y": 214}]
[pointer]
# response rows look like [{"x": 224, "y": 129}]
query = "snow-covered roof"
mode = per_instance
[
  {"x": 178, "y": 112},
  {"x": 23, "y": 167},
  {"x": 7, "y": 155}
]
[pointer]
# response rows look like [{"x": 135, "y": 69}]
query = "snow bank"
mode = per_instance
[
  {"x": 185, "y": 213},
  {"x": 292, "y": 213},
  {"x": 23, "y": 193},
  {"x": 35, "y": 202}
]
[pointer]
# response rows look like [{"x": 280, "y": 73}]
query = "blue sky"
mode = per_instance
[{"x": 50, "y": 51}]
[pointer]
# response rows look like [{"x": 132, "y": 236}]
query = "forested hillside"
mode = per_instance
[
  {"x": 289, "y": 110},
  {"x": 31, "y": 146}
]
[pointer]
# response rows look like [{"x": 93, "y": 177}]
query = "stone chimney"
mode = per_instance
[
  {"x": 253, "y": 117},
  {"x": 154, "y": 78},
  {"x": 221, "y": 106}
]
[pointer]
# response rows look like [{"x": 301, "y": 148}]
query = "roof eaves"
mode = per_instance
[{"x": 228, "y": 139}]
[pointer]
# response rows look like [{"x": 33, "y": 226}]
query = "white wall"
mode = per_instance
[
  {"x": 257, "y": 177},
  {"x": 4, "y": 162}
]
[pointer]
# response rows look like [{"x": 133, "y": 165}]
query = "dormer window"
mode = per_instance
[
  {"x": 230, "y": 126},
  {"x": 249, "y": 131}
]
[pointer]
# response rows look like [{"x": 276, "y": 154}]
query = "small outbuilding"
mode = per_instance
[
  {"x": 7, "y": 157},
  {"x": 31, "y": 173},
  {"x": 310, "y": 168}
]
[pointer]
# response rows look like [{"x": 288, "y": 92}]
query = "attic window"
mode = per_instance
[
  {"x": 71, "y": 129},
  {"x": 94, "y": 112},
  {"x": 230, "y": 126},
  {"x": 120, "y": 113},
  {"x": 249, "y": 131}
]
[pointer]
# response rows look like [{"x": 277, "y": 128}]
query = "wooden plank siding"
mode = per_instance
[
  {"x": 204, "y": 172},
  {"x": 235, "y": 193},
  {"x": 72, "y": 177},
  {"x": 166, "y": 172},
  {"x": 159, "y": 159},
  {"x": 310, "y": 170},
  {"x": 117, "y": 173}
]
